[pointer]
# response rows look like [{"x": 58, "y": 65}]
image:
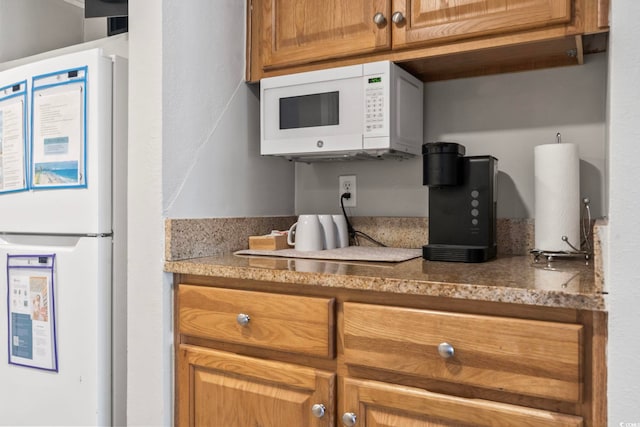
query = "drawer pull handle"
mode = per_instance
[
  {"x": 446, "y": 350},
  {"x": 243, "y": 319},
  {"x": 349, "y": 419},
  {"x": 318, "y": 410}
]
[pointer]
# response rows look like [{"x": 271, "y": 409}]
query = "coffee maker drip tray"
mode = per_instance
[{"x": 458, "y": 253}]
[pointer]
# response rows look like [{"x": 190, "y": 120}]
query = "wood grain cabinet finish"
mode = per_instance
[
  {"x": 503, "y": 365},
  {"x": 377, "y": 404},
  {"x": 527, "y": 357},
  {"x": 281, "y": 322},
  {"x": 298, "y": 31},
  {"x": 225, "y": 389},
  {"x": 428, "y": 22},
  {"x": 472, "y": 37}
]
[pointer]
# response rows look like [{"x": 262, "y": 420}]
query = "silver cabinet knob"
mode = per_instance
[
  {"x": 349, "y": 419},
  {"x": 446, "y": 350},
  {"x": 397, "y": 17},
  {"x": 243, "y": 319},
  {"x": 379, "y": 19},
  {"x": 318, "y": 410}
]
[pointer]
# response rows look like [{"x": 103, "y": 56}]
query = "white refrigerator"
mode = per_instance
[{"x": 68, "y": 366}]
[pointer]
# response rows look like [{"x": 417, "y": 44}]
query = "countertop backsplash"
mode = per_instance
[{"x": 192, "y": 238}]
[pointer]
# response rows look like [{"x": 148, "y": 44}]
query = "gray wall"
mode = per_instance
[
  {"x": 28, "y": 27},
  {"x": 504, "y": 115},
  {"x": 193, "y": 152},
  {"x": 211, "y": 156},
  {"x": 150, "y": 343},
  {"x": 623, "y": 275},
  {"x": 95, "y": 28}
]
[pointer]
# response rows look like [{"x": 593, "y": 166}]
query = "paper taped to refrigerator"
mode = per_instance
[
  {"x": 58, "y": 130},
  {"x": 13, "y": 141},
  {"x": 31, "y": 302}
]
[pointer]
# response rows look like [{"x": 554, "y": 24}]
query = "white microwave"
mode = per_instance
[{"x": 372, "y": 110}]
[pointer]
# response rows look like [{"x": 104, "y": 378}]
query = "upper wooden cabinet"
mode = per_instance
[
  {"x": 297, "y": 31},
  {"x": 434, "y": 39},
  {"x": 428, "y": 22}
]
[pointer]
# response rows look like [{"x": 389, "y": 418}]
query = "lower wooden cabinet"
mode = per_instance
[
  {"x": 527, "y": 357},
  {"x": 281, "y": 322},
  {"x": 376, "y": 404},
  {"x": 329, "y": 357},
  {"x": 224, "y": 389}
]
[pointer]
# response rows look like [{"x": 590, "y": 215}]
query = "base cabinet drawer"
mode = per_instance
[
  {"x": 532, "y": 358},
  {"x": 279, "y": 322},
  {"x": 224, "y": 389},
  {"x": 376, "y": 404}
]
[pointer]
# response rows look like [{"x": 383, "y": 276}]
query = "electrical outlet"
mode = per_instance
[{"x": 347, "y": 184}]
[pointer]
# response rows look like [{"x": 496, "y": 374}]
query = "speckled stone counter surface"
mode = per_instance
[
  {"x": 206, "y": 246},
  {"x": 509, "y": 279}
]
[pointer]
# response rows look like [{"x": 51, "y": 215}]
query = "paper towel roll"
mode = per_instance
[{"x": 557, "y": 196}]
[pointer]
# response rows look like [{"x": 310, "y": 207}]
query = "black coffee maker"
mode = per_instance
[{"x": 462, "y": 203}]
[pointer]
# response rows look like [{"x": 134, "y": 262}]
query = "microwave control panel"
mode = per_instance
[{"x": 374, "y": 104}]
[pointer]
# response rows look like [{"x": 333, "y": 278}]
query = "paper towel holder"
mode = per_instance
[{"x": 576, "y": 252}]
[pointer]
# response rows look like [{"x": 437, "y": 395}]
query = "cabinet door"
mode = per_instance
[
  {"x": 435, "y": 21},
  {"x": 376, "y": 404},
  {"x": 299, "y": 31},
  {"x": 217, "y": 388}
]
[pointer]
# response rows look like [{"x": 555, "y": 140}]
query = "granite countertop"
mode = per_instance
[{"x": 510, "y": 279}]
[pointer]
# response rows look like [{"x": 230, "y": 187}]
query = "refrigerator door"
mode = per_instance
[
  {"x": 71, "y": 210},
  {"x": 79, "y": 393}
]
